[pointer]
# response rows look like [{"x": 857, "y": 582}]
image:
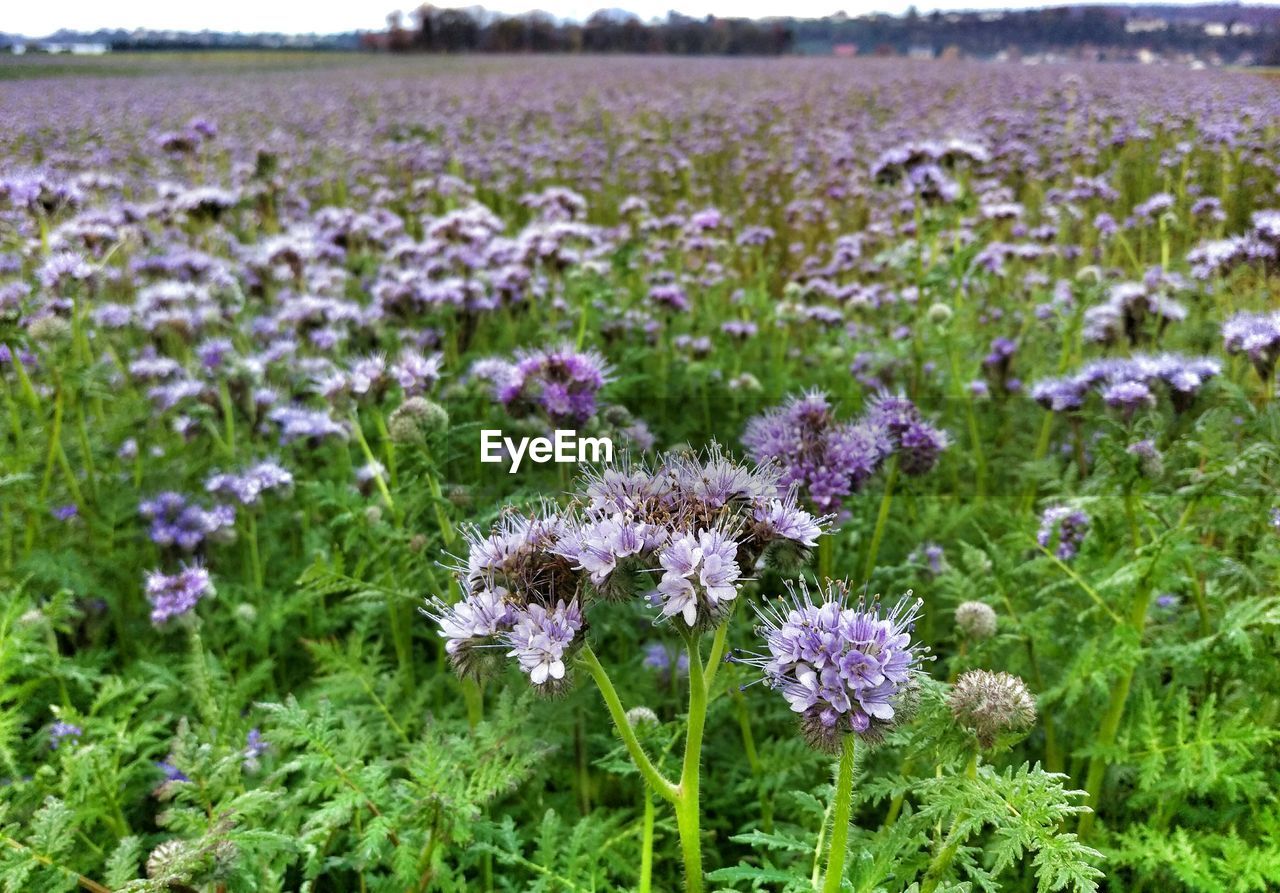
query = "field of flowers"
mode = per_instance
[{"x": 941, "y": 405}]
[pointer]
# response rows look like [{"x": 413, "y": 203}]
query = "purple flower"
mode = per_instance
[
  {"x": 171, "y": 772},
  {"x": 664, "y": 659},
  {"x": 1070, "y": 526},
  {"x": 60, "y": 731},
  {"x": 172, "y": 595},
  {"x": 700, "y": 576},
  {"x": 1257, "y": 336},
  {"x": 845, "y": 667},
  {"x": 472, "y": 623},
  {"x": 560, "y": 384},
  {"x": 539, "y": 640},
  {"x": 1129, "y": 397},
  {"x": 827, "y": 458},
  {"x": 177, "y": 522},
  {"x": 250, "y": 484},
  {"x": 597, "y": 546}
]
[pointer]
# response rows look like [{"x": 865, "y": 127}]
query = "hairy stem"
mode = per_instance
[
  {"x": 687, "y": 803},
  {"x": 664, "y": 788},
  {"x": 840, "y": 816}
]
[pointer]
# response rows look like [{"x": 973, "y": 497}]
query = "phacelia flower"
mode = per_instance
[
  {"x": 1070, "y": 526},
  {"x": 175, "y": 521},
  {"x": 172, "y": 595},
  {"x": 846, "y": 667},
  {"x": 560, "y": 384},
  {"x": 1257, "y": 336},
  {"x": 471, "y": 624},
  {"x": 62, "y": 732},
  {"x": 700, "y": 577},
  {"x": 247, "y": 486},
  {"x": 666, "y": 660},
  {"x": 540, "y": 640}
]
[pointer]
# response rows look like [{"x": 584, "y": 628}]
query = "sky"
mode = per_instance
[{"x": 330, "y": 16}]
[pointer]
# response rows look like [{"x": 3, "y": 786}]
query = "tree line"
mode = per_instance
[{"x": 433, "y": 30}]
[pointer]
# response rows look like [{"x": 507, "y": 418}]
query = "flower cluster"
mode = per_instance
[
  {"x": 846, "y": 667},
  {"x": 62, "y": 732},
  {"x": 1069, "y": 525},
  {"x": 176, "y": 521},
  {"x": 559, "y": 384},
  {"x": 1260, "y": 245},
  {"x": 247, "y": 486},
  {"x": 1130, "y": 383},
  {"x": 830, "y": 459},
  {"x": 683, "y": 534},
  {"x": 1257, "y": 336},
  {"x": 1129, "y": 306},
  {"x": 172, "y": 595}
]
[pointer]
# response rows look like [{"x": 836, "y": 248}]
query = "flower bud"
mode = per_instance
[
  {"x": 976, "y": 620},
  {"x": 639, "y": 716},
  {"x": 989, "y": 704},
  {"x": 417, "y": 419},
  {"x": 49, "y": 329}
]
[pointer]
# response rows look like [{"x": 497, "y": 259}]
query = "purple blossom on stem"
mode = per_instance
[
  {"x": 700, "y": 576},
  {"x": 845, "y": 666},
  {"x": 1069, "y": 525},
  {"x": 172, "y": 595}
]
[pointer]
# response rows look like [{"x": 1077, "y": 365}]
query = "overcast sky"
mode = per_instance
[{"x": 329, "y": 16}]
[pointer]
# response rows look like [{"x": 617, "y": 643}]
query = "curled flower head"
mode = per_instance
[
  {"x": 1257, "y": 336},
  {"x": 847, "y": 667},
  {"x": 990, "y": 704},
  {"x": 540, "y": 639},
  {"x": 560, "y": 384},
  {"x": 826, "y": 458},
  {"x": 700, "y": 577},
  {"x": 610, "y": 548},
  {"x": 471, "y": 625}
]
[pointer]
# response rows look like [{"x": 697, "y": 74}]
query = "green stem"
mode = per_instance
[
  {"x": 826, "y": 545},
  {"x": 255, "y": 559},
  {"x": 646, "y": 843},
  {"x": 687, "y": 805},
  {"x": 664, "y": 788},
  {"x": 882, "y": 518},
  {"x": 474, "y": 699},
  {"x": 942, "y": 861},
  {"x": 840, "y": 818}
]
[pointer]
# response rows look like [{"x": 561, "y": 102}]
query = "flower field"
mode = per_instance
[{"x": 917, "y": 529}]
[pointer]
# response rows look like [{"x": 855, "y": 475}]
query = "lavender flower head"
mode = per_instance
[
  {"x": 826, "y": 458},
  {"x": 1069, "y": 525},
  {"x": 247, "y": 486},
  {"x": 666, "y": 660},
  {"x": 560, "y": 384},
  {"x": 700, "y": 578},
  {"x": 175, "y": 521},
  {"x": 846, "y": 667},
  {"x": 61, "y": 731},
  {"x": 172, "y": 595},
  {"x": 1257, "y": 336},
  {"x": 540, "y": 640}
]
